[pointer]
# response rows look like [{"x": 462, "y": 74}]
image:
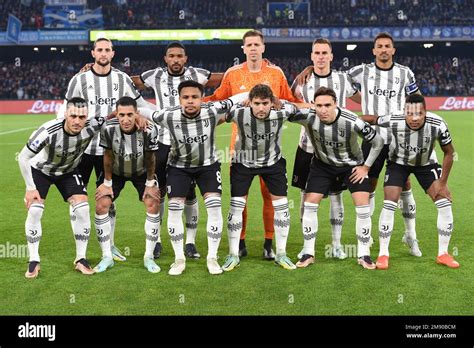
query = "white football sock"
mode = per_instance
[
  {"x": 234, "y": 223},
  {"x": 336, "y": 217},
  {"x": 386, "y": 226},
  {"x": 191, "y": 214},
  {"x": 363, "y": 227},
  {"x": 310, "y": 227},
  {"x": 152, "y": 232},
  {"x": 281, "y": 223},
  {"x": 372, "y": 203},
  {"x": 409, "y": 213},
  {"x": 81, "y": 227},
  {"x": 176, "y": 228},
  {"x": 445, "y": 224},
  {"x": 33, "y": 230},
  {"x": 103, "y": 228},
  {"x": 214, "y": 225}
]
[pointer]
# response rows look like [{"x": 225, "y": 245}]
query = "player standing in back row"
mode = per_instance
[
  {"x": 241, "y": 78},
  {"x": 384, "y": 87},
  {"x": 165, "y": 82},
  {"x": 102, "y": 86},
  {"x": 322, "y": 76}
]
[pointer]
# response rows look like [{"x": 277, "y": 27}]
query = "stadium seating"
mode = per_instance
[
  {"x": 48, "y": 80},
  {"x": 143, "y": 14}
]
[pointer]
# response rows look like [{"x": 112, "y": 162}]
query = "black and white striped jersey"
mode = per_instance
[
  {"x": 101, "y": 93},
  {"x": 166, "y": 85},
  {"x": 337, "y": 81},
  {"x": 411, "y": 147},
  {"x": 336, "y": 143},
  {"x": 59, "y": 153},
  {"x": 192, "y": 139},
  {"x": 383, "y": 90},
  {"x": 128, "y": 149},
  {"x": 259, "y": 142}
]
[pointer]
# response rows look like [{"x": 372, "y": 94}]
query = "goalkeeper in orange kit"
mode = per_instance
[{"x": 241, "y": 78}]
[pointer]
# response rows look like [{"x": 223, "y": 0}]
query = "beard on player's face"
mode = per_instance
[{"x": 102, "y": 61}]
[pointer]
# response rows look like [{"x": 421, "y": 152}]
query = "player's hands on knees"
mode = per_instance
[
  {"x": 153, "y": 192},
  {"x": 103, "y": 191},
  {"x": 359, "y": 173},
  {"x": 32, "y": 196},
  {"x": 141, "y": 123},
  {"x": 86, "y": 67},
  {"x": 441, "y": 191}
]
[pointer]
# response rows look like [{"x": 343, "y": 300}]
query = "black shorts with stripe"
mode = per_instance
[
  {"x": 180, "y": 180},
  {"x": 274, "y": 177},
  {"x": 68, "y": 184},
  {"x": 324, "y": 178},
  {"x": 397, "y": 174},
  {"x": 118, "y": 183},
  {"x": 161, "y": 166}
]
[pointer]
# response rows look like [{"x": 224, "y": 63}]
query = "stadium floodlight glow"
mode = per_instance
[
  {"x": 448, "y": 44},
  {"x": 35, "y": 49},
  {"x": 428, "y": 45},
  {"x": 53, "y": 49},
  {"x": 167, "y": 35},
  {"x": 62, "y": 50},
  {"x": 351, "y": 47}
]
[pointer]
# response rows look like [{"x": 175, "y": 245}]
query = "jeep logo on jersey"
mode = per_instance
[
  {"x": 256, "y": 136},
  {"x": 104, "y": 101},
  {"x": 389, "y": 93},
  {"x": 416, "y": 149},
  {"x": 171, "y": 92},
  {"x": 200, "y": 139},
  {"x": 333, "y": 144}
]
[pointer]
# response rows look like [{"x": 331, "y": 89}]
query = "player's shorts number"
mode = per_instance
[
  {"x": 218, "y": 175},
  {"x": 436, "y": 171}
]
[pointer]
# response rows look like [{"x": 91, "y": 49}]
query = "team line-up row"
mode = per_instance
[{"x": 328, "y": 160}]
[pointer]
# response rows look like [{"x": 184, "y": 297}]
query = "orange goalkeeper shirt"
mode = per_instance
[{"x": 239, "y": 79}]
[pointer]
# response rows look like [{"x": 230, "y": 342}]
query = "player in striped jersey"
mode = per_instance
[
  {"x": 165, "y": 82},
  {"x": 128, "y": 156},
  {"x": 241, "y": 78},
  {"x": 384, "y": 87},
  {"x": 51, "y": 157},
  {"x": 322, "y": 76},
  {"x": 337, "y": 159},
  {"x": 414, "y": 136},
  {"x": 193, "y": 158},
  {"x": 101, "y": 86},
  {"x": 258, "y": 153}
]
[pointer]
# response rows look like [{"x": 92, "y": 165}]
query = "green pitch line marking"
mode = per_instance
[{"x": 17, "y": 130}]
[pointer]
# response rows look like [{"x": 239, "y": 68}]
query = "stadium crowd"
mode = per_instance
[
  {"x": 141, "y": 14},
  {"x": 436, "y": 75}
]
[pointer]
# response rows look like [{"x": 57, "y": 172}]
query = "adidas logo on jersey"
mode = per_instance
[
  {"x": 90, "y": 87},
  {"x": 242, "y": 87}
]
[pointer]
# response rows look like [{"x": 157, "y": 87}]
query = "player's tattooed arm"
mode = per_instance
[
  {"x": 86, "y": 67},
  {"x": 356, "y": 97},
  {"x": 304, "y": 76},
  {"x": 151, "y": 185},
  {"x": 105, "y": 189},
  {"x": 138, "y": 82},
  {"x": 215, "y": 80}
]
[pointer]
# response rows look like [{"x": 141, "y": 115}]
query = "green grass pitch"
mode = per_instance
[{"x": 412, "y": 286}]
